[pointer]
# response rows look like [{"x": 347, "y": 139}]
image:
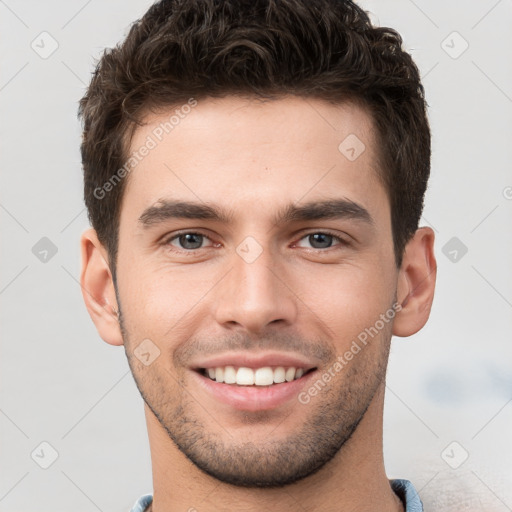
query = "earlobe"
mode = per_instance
[
  {"x": 416, "y": 283},
  {"x": 98, "y": 288}
]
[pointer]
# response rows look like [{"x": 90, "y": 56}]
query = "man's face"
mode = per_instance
[{"x": 256, "y": 288}]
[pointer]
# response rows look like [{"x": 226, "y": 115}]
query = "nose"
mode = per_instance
[{"x": 255, "y": 293}]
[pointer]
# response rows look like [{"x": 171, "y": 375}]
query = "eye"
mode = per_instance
[
  {"x": 321, "y": 240},
  {"x": 188, "y": 241}
]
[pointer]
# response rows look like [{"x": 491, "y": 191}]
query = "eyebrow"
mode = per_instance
[{"x": 166, "y": 209}]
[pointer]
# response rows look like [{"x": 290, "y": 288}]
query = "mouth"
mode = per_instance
[
  {"x": 248, "y": 389},
  {"x": 265, "y": 376}
]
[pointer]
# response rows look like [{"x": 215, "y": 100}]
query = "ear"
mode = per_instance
[
  {"x": 98, "y": 288},
  {"x": 416, "y": 283}
]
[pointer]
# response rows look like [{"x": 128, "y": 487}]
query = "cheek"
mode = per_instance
[
  {"x": 347, "y": 298},
  {"x": 157, "y": 300}
]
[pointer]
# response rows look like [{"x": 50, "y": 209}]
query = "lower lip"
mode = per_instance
[{"x": 254, "y": 398}]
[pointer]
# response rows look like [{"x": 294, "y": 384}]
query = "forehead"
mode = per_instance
[{"x": 255, "y": 154}]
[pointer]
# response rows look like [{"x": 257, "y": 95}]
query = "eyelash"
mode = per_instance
[{"x": 167, "y": 241}]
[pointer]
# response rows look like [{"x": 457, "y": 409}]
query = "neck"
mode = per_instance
[{"x": 354, "y": 479}]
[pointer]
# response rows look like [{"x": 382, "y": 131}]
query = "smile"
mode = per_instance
[
  {"x": 244, "y": 376},
  {"x": 252, "y": 389}
]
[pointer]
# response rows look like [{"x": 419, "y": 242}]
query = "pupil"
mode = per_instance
[
  {"x": 321, "y": 240},
  {"x": 191, "y": 241}
]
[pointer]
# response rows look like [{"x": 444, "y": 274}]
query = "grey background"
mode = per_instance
[{"x": 60, "y": 384}]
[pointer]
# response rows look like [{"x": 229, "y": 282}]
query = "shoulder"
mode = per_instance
[
  {"x": 142, "y": 503},
  {"x": 405, "y": 490}
]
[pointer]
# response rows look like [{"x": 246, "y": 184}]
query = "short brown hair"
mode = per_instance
[{"x": 326, "y": 49}]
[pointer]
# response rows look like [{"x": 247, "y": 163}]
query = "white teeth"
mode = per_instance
[
  {"x": 265, "y": 376},
  {"x": 245, "y": 376},
  {"x": 229, "y": 375},
  {"x": 290, "y": 374},
  {"x": 279, "y": 375}
]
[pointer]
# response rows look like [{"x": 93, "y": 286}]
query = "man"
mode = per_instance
[{"x": 254, "y": 176}]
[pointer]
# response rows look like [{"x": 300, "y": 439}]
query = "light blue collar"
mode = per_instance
[{"x": 402, "y": 488}]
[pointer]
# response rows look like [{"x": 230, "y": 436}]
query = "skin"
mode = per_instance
[{"x": 253, "y": 159}]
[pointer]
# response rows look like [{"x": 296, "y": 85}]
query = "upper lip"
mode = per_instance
[{"x": 255, "y": 360}]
